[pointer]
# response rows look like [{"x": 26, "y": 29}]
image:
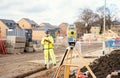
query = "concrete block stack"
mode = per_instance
[
  {"x": 15, "y": 44},
  {"x": 37, "y": 46},
  {"x": 29, "y": 47}
]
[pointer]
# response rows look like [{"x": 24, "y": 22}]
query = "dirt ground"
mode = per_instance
[
  {"x": 15, "y": 65},
  {"x": 105, "y": 65},
  {"x": 12, "y": 65}
]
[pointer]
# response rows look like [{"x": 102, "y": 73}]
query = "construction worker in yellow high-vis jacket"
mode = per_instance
[{"x": 47, "y": 43}]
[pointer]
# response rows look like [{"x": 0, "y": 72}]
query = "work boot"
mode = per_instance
[{"x": 45, "y": 65}]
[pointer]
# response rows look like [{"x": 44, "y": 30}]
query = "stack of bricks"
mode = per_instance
[
  {"x": 29, "y": 47},
  {"x": 37, "y": 46},
  {"x": 15, "y": 44}
]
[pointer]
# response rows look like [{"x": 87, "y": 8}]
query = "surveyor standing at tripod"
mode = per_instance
[{"x": 48, "y": 43}]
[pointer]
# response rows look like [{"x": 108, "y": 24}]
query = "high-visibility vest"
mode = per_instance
[{"x": 46, "y": 44}]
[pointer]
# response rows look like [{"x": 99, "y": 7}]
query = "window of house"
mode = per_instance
[
  {"x": 33, "y": 25},
  {"x": 10, "y": 23}
]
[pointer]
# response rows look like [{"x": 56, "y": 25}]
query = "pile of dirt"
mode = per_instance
[{"x": 105, "y": 65}]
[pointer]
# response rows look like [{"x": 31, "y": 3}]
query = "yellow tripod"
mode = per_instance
[{"x": 68, "y": 63}]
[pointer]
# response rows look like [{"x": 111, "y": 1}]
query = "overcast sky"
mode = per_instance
[{"x": 50, "y": 11}]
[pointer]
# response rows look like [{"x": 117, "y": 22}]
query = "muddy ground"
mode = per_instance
[
  {"x": 105, "y": 65},
  {"x": 15, "y": 65}
]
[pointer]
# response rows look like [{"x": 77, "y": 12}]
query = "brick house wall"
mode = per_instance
[
  {"x": 24, "y": 24},
  {"x": 37, "y": 34},
  {"x": 63, "y": 29},
  {"x": 3, "y": 29}
]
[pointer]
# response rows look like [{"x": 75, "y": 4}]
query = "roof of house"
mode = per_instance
[
  {"x": 64, "y": 23},
  {"x": 18, "y": 27},
  {"x": 47, "y": 26},
  {"x": 31, "y": 22},
  {"x": 11, "y": 24}
]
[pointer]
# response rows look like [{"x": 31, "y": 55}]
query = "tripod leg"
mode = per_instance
[
  {"x": 61, "y": 62},
  {"x": 67, "y": 68},
  {"x": 64, "y": 57},
  {"x": 71, "y": 52},
  {"x": 86, "y": 65},
  {"x": 67, "y": 71}
]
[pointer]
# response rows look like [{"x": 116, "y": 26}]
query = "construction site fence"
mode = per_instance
[
  {"x": 20, "y": 32},
  {"x": 113, "y": 43},
  {"x": 88, "y": 46},
  {"x": 15, "y": 32}
]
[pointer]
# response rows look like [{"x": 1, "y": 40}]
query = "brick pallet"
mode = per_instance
[
  {"x": 15, "y": 44},
  {"x": 29, "y": 47}
]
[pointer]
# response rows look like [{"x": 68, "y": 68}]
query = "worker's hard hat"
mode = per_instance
[{"x": 47, "y": 31}]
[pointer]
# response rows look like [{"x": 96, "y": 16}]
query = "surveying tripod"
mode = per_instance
[{"x": 68, "y": 63}]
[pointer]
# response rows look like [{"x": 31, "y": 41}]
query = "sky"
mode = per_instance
[{"x": 54, "y": 12}]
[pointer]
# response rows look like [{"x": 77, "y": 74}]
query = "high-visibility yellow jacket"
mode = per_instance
[{"x": 47, "y": 42}]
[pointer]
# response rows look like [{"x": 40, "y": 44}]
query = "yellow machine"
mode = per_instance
[
  {"x": 66, "y": 65},
  {"x": 71, "y": 35}
]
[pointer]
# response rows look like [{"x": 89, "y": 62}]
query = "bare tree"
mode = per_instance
[
  {"x": 110, "y": 16},
  {"x": 80, "y": 28},
  {"x": 88, "y": 17}
]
